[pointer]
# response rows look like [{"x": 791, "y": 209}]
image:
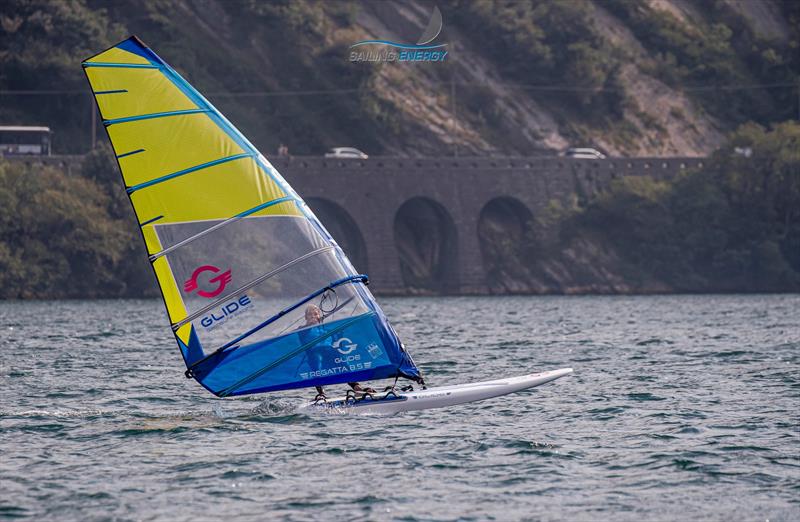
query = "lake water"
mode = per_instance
[{"x": 681, "y": 407}]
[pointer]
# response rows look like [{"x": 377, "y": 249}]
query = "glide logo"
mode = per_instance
[
  {"x": 344, "y": 346},
  {"x": 221, "y": 281},
  {"x": 224, "y": 312}
]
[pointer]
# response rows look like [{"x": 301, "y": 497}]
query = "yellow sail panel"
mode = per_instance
[
  {"x": 184, "y": 332},
  {"x": 151, "y": 239},
  {"x": 123, "y": 92},
  {"x": 218, "y": 192},
  {"x": 170, "y": 144},
  {"x": 117, "y": 55},
  {"x": 169, "y": 288}
]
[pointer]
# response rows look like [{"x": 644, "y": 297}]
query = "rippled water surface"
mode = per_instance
[{"x": 680, "y": 408}]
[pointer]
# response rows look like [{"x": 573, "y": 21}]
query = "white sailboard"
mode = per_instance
[{"x": 390, "y": 402}]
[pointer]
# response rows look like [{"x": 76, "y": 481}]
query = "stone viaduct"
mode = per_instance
[{"x": 413, "y": 224}]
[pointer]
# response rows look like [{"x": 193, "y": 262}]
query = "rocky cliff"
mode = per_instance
[{"x": 659, "y": 77}]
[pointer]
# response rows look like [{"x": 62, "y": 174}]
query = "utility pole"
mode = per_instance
[
  {"x": 453, "y": 114},
  {"x": 453, "y": 104}
]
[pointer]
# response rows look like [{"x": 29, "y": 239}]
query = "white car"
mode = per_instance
[
  {"x": 345, "y": 152},
  {"x": 584, "y": 153}
]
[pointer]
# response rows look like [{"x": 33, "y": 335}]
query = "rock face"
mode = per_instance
[
  {"x": 469, "y": 106},
  {"x": 476, "y": 102},
  {"x": 654, "y": 78},
  {"x": 662, "y": 122}
]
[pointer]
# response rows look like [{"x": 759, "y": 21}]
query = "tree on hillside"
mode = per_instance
[{"x": 42, "y": 44}]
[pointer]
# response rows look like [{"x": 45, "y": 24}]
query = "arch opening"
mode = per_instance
[
  {"x": 503, "y": 228},
  {"x": 427, "y": 243},
  {"x": 344, "y": 230}
]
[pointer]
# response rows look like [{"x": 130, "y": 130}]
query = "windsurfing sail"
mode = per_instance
[{"x": 259, "y": 295}]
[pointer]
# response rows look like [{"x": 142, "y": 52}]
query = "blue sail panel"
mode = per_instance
[{"x": 352, "y": 348}]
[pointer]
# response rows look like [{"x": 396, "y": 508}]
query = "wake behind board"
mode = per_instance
[{"x": 387, "y": 404}]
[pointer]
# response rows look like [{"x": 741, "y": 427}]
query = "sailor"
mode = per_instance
[{"x": 317, "y": 353}]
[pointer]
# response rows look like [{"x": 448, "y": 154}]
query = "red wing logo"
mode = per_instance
[{"x": 221, "y": 280}]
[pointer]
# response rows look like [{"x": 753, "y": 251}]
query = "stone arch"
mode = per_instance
[
  {"x": 427, "y": 243},
  {"x": 503, "y": 225},
  {"x": 344, "y": 230}
]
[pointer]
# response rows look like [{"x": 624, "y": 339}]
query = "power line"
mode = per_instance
[
  {"x": 353, "y": 90},
  {"x": 40, "y": 92},
  {"x": 283, "y": 93},
  {"x": 687, "y": 88}
]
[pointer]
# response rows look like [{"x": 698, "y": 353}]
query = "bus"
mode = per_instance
[{"x": 21, "y": 140}]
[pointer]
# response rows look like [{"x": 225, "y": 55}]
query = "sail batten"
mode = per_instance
[
  {"x": 222, "y": 224},
  {"x": 151, "y": 116},
  {"x": 150, "y": 221},
  {"x": 131, "y": 153},
  {"x": 231, "y": 243},
  {"x": 120, "y": 65},
  {"x": 183, "y": 172}
]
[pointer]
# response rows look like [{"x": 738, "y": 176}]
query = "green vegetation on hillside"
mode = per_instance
[
  {"x": 724, "y": 53},
  {"x": 41, "y": 46},
  {"x": 732, "y": 226},
  {"x": 561, "y": 43},
  {"x": 68, "y": 236},
  {"x": 552, "y": 40},
  {"x": 249, "y": 46},
  {"x": 282, "y": 47}
]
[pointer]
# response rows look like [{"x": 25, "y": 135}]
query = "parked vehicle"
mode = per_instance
[
  {"x": 584, "y": 153},
  {"x": 345, "y": 152},
  {"x": 23, "y": 140}
]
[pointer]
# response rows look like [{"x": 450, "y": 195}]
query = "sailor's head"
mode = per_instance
[{"x": 313, "y": 314}]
